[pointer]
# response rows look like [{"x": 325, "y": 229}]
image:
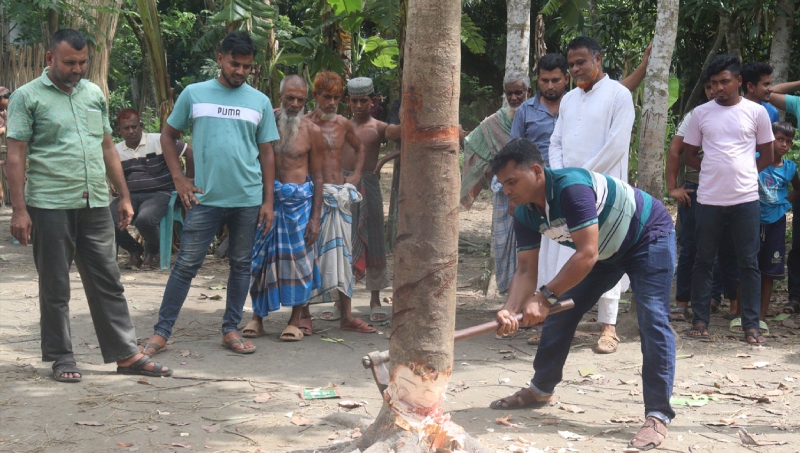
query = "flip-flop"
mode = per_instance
[
  {"x": 137, "y": 368},
  {"x": 535, "y": 339},
  {"x": 253, "y": 329},
  {"x": 66, "y": 366},
  {"x": 358, "y": 325},
  {"x": 305, "y": 326},
  {"x": 762, "y": 325},
  {"x": 291, "y": 333},
  {"x": 379, "y": 314},
  {"x": 736, "y": 325},
  {"x": 701, "y": 330},
  {"x": 522, "y": 399},
  {"x": 229, "y": 344},
  {"x": 329, "y": 314},
  {"x": 154, "y": 346}
]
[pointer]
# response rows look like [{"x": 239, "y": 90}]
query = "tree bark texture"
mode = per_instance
[
  {"x": 105, "y": 27},
  {"x": 781, "y": 51},
  {"x": 518, "y": 36},
  {"x": 426, "y": 249},
  {"x": 157, "y": 57},
  {"x": 722, "y": 31},
  {"x": 656, "y": 100}
]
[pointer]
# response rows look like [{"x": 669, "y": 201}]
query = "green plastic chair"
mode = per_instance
[{"x": 174, "y": 214}]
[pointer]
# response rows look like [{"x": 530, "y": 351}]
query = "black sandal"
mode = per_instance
[
  {"x": 791, "y": 307},
  {"x": 137, "y": 368},
  {"x": 679, "y": 313},
  {"x": 755, "y": 334},
  {"x": 701, "y": 329},
  {"x": 66, "y": 366},
  {"x": 522, "y": 399}
]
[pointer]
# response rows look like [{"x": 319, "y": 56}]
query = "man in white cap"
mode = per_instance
[{"x": 369, "y": 251}]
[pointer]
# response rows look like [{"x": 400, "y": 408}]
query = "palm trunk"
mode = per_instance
[
  {"x": 426, "y": 251},
  {"x": 781, "y": 51},
  {"x": 157, "y": 57},
  {"x": 656, "y": 99}
]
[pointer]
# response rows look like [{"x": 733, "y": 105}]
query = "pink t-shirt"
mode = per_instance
[{"x": 728, "y": 137}]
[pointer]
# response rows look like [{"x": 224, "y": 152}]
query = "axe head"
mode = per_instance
[{"x": 377, "y": 361}]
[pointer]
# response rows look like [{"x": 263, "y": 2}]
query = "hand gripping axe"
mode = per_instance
[{"x": 377, "y": 360}]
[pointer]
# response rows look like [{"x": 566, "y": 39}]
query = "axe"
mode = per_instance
[{"x": 377, "y": 360}]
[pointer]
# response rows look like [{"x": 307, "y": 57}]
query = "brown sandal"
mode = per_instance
[
  {"x": 606, "y": 344},
  {"x": 523, "y": 399},
  {"x": 650, "y": 435}
]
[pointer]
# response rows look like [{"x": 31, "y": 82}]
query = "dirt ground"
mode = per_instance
[{"x": 220, "y": 401}]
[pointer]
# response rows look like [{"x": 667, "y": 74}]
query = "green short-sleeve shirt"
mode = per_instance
[{"x": 64, "y": 133}]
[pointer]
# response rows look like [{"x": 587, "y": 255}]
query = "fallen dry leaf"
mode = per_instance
[
  {"x": 333, "y": 436},
  {"x": 185, "y": 353},
  {"x": 635, "y": 392},
  {"x": 790, "y": 324},
  {"x": 573, "y": 409},
  {"x": 355, "y": 434},
  {"x": 89, "y": 423},
  {"x": 747, "y": 439},
  {"x": 125, "y": 444},
  {"x": 351, "y": 404},
  {"x": 143, "y": 381},
  {"x": 299, "y": 420},
  {"x": 504, "y": 421},
  {"x": 262, "y": 398},
  {"x": 92, "y": 346},
  {"x": 210, "y": 428},
  {"x": 743, "y": 355},
  {"x": 569, "y": 435},
  {"x": 216, "y": 297},
  {"x": 732, "y": 377},
  {"x": 178, "y": 444},
  {"x": 152, "y": 428},
  {"x": 178, "y": 423},
  {"x": 551, "y": 421},
  {"x": 626, "y": 420}
]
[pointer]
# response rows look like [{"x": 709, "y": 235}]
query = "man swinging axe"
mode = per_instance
[{"x": 614, "y": 229}]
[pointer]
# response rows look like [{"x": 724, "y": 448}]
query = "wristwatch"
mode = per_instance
[{"x": 551, "y": 298}]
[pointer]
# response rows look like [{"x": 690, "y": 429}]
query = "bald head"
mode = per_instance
[{"x": 294, "y": 81}]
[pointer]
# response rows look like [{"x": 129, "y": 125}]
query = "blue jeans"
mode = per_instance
[
  {"x": 683, "y": 283},
  {"x": 650, "y": 268},
  {"x": 725, "y": 273},
  {"x": 743, "y": 221},
  {"x": 199, "y": 228}
]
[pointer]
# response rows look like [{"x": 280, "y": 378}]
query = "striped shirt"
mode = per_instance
[{"x": 577, "y": 198}]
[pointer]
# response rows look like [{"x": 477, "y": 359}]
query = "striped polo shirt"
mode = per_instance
[{"x": 577, "y": 198}]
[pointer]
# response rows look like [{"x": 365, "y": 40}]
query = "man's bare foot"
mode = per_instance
[
  {"x": 233, "y": 341},
  {"x": 154, "y": 345}
]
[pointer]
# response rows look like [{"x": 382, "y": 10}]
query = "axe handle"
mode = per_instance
[{"x": 490, "y": 326}]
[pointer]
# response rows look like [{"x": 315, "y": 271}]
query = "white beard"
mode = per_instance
[
  {"x": 326, "y": 116},
  {"x": 288, "y": 126},
  {"x": 511, "y": 112}
]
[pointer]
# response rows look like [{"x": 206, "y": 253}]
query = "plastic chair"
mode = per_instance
[{"x": 174, "y": 214}]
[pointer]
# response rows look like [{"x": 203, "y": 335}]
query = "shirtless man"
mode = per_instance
[
  {"x": 284, "y": 272},
  {"x": 369, "y": 253},
  {"x": 334, "y": 244}
]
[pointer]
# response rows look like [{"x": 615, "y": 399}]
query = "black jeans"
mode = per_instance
[
  {"x": 793, "y": 259},
  {"x": 743, "y": 222},
  {"x": 87, "y": 236},
  {"x": 148, "y": 209}
]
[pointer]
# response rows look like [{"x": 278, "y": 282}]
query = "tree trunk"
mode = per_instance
[
  {"x": 518, "y": 42},
  {"x": 656, "y": 101},
  {"x": 157, "y": 57},
  {"x": 104, "y": 28},
  {"x": 781, "y": 51},
  {"x": 426, "y": 251},
  {"x": 722, "y": 31},
  {"x": 391, "y": 221},
  {"x": 734, "y": 38}
]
